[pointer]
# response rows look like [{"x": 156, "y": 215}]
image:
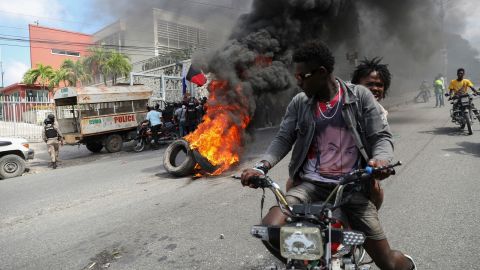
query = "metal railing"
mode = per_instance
[{"x": 23, "y": 117}]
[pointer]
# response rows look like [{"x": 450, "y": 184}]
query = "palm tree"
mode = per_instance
[
  {"x": 42, "y": 74},
  {"x": 95, "y": 63},
  {"x": 76, "y": 71},
  {"x": 118, "y": 65},
  {"x": 62, "y": 75}
]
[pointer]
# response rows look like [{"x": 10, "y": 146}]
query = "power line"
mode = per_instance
[
  {"x": 69, "y": 43},
  {"x": 43, "y": 17},
  {"x": 85, "y": 23},
  {"x": 48, "y": 48}
]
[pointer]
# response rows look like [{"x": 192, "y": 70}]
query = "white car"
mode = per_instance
[{"x": 14, "y": 152}]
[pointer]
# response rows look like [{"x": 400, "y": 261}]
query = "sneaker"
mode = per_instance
[{"x": 410, "y": 258}]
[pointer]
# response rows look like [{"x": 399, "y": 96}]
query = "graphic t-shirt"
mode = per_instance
[
  {"x": 460, "y": 87},
  {"x": 333, "y": 151}
]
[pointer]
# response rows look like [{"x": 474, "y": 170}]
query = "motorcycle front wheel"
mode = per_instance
[
  {"x": 140, "y": 146},
  {"x": 468, "y": 122}
]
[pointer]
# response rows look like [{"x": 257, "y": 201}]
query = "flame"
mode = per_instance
[{"x": 220, "y": 135}]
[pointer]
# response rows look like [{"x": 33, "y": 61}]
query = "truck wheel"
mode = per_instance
[
  {"x": 11, "y": 166},
  {"x": 94, "y": 147},
  {"x": 114, "y": 143},
  {"x": 169, "y": 159}
]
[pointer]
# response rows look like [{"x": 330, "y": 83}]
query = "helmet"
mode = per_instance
[{"x": 51, "y": 117}]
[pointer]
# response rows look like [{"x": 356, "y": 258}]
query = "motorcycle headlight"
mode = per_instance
[
  {"x": 465, "y": 99},
  {"x": 351, "y": 238},
  {"x": 301, "y": 243}
]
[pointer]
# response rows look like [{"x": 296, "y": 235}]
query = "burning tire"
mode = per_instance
[
  {"x": 169, "y": 159},
  {"x": 203, "y": 162}
]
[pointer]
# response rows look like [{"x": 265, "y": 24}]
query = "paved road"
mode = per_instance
[{"x": 123, "y": 211}]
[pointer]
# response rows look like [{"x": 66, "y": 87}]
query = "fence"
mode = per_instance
[{"x": 23, "y": 117}]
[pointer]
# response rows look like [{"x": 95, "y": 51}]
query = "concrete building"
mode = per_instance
[
  {"x": 155, "y": 35},
  {"x": 50, "y": 46}
]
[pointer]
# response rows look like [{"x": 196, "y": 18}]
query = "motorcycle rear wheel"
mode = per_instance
[{"x": 140, "y": 146}]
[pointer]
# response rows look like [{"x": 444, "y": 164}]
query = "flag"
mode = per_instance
[
  {"x": 184, "y": 79},
  {"x": 196, "y": 76}
]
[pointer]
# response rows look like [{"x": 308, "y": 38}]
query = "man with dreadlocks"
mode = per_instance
[
  {"x": 374, "y": 76},
  {"x": 377, "y": 78},
  {"x": 333, "y": 128}
]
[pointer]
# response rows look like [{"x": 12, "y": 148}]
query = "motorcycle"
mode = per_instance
[
  {"x": 462, "y": 112},
  {"x": 423, "y": 96},
  {"x": 316, "y": 236},
  {"x": 168, "y": 132}
]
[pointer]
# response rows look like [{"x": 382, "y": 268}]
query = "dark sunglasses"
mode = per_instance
[{"x": 302, "y": 77}]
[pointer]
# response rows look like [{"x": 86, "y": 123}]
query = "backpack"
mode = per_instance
[{"x": 50, "y": 131}]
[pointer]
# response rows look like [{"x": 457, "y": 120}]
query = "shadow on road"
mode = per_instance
[
  {"x": 466, "y": 148},
  {"x": 450, "y": 131},
  {"x": 405, "y": 119}
]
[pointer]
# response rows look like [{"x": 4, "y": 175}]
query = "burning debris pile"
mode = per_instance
[{"x": 253, "y": 69}]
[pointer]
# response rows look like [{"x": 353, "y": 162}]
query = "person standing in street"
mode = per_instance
[
  {"x": 53, "y": 138},
  {"x": 155, "y": 119},
  {"x": 180, "y": 118},
  {"x": 439, "y": 88}
]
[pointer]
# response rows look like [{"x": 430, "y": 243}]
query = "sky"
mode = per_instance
[
  {"x": 16, "y": 15},
  {"x": 74, "y": 15}
]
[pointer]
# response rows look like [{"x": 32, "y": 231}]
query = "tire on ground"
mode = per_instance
[
  {"x": 94, "y": 147},
  {"x": 169, "y": 159},
  {"x": 114, "y": 143},
  {"x": 11, "y": 166},
  {"x": 204, "y": 163}
]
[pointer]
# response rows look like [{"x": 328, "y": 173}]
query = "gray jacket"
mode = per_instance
[{"x": 362, "y": 115}]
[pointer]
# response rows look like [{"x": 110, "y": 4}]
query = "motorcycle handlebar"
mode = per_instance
[
  {"x": 365, "y": 174},
  {"x": 357, "y": 175},
  {"x": 257, "y": 181}
]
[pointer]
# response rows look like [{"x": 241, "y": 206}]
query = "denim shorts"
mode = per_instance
[{"x": 361, "y": 212}]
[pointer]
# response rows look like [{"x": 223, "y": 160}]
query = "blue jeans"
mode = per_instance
[
  {"x": 439, "y": 100},
  {"x": 181, "y": 128}
]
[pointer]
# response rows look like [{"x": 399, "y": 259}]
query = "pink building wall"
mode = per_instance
[{"x": 43, "y": 40}]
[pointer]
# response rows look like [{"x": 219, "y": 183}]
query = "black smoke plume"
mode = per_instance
[{"x": 405, "y": 32}]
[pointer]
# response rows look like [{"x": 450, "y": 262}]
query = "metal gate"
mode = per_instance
[{"x": 23, "y": 117}]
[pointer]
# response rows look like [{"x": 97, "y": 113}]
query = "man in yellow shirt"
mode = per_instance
[{"x": 460, "y": 85}]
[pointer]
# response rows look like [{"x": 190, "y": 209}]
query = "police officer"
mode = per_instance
[{"x": 53, "y": 137}]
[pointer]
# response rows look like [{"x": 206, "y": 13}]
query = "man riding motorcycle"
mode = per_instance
[
  {"x": 333, "y": 128},
  {"x": 460, "y": 86}
]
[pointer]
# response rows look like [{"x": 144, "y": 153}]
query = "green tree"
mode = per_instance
[
  {"x": 61, "y": 76},
  {"x": 96, "y": 62},
  {"x": 118, "y": 65},
  {"x": 42, "y": 74},
  {"x": 76, "y": 71}
]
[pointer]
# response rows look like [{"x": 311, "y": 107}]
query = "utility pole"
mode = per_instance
[
  {"x": 443, "y": 4},
  {"x": 1, "y": 67}
]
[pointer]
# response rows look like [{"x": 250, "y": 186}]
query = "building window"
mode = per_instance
[
  {"x": 37, "y": 95},
  {"x": 63, "y": 52}
]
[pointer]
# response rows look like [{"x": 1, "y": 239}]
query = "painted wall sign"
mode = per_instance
[{"x": 108, "y": 123}]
